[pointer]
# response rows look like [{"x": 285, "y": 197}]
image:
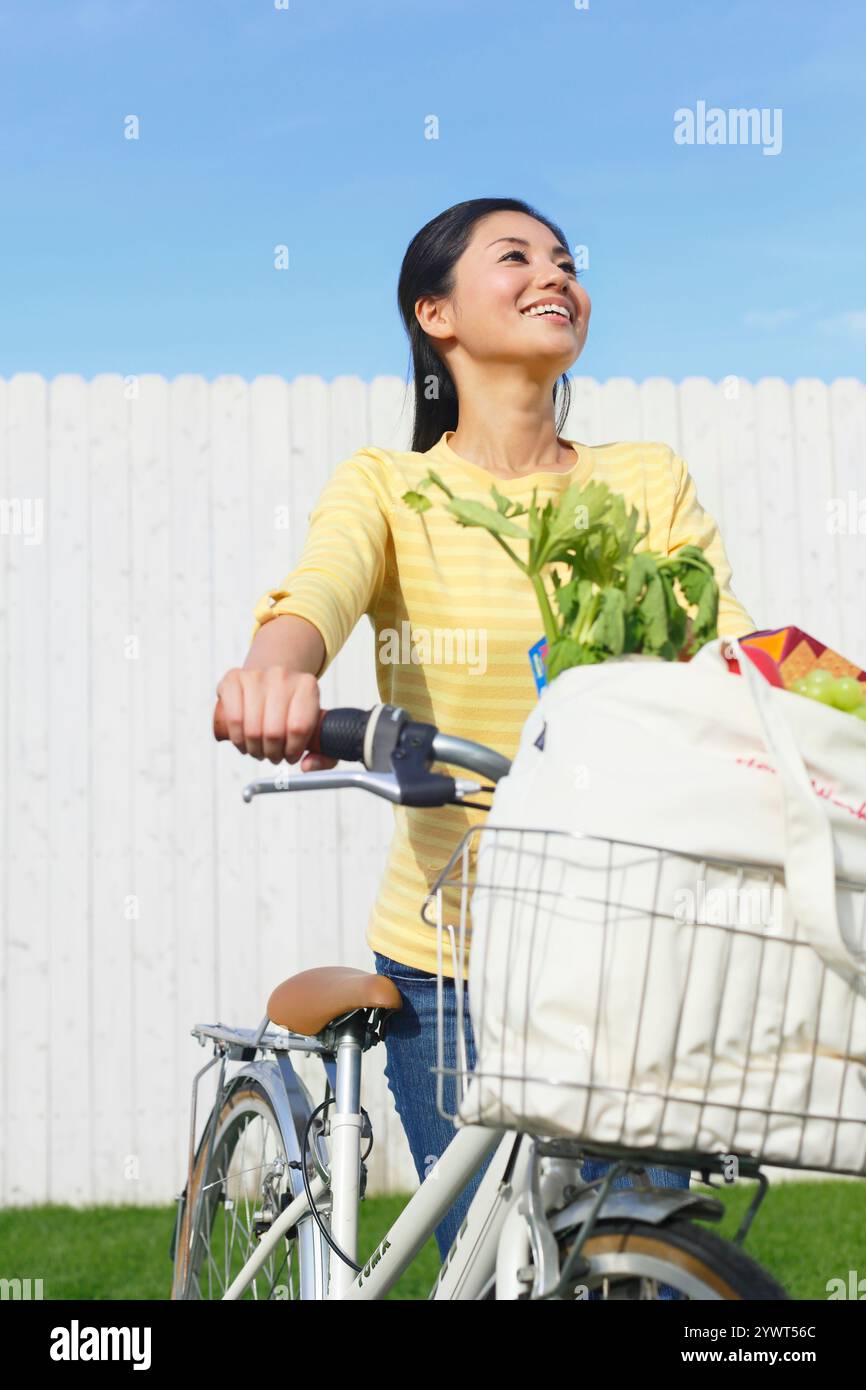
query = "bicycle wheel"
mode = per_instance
[
  {"x": 629, "y": 1260},
  {"x": 241, "y": 1190}
]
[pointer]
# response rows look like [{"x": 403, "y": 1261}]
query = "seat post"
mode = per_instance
[{"x": 346, "y": 1149}]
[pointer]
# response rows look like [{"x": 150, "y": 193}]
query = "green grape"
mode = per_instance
[
  {"x": 848, "y": 694},
  {"x": 860, "y": 711},
  {"x": 799, "y": 686},
  {"x": 819, "y": 679},
  {"x": 820, "y": 686}
]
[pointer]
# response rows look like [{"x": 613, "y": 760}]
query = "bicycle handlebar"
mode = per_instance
[
  {"x": 395, "y": 748},
  {"x": 343, "y": 733}
]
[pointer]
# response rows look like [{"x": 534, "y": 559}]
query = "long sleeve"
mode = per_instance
[
  {"x": 342, "y": 566},
  {"x": 691, "y": 525}
]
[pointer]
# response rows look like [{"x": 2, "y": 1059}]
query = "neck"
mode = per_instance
[{"x": 510, "y": 428}]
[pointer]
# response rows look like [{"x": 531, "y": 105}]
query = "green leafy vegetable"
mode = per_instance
[{"x": 617, "y": 599}]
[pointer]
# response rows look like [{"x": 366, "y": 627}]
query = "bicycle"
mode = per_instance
[{"x": 270, "y": 1204}]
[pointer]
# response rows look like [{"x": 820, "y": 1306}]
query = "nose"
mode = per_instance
[
  {"x": 555, "y": 276},
  {"x": 553, "y": 279}
]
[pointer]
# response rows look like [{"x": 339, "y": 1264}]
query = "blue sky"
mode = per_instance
[{"x": 305, "y": 127}]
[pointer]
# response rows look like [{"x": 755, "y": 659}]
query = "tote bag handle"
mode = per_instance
[{"x": 810, "y": 865}]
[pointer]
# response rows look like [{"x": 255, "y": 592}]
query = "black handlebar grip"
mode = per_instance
[{"x": 341, "y": 734}]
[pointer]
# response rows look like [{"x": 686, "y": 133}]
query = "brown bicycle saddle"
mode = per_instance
[{"x": 305, "y": 1003}]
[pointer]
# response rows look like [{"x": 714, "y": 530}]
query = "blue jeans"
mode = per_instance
[{"x": 410, "y": 1048}]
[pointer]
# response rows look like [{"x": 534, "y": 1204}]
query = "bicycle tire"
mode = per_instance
[
  {"x": 690, "y": 1254},
  {"x": 201, "y": 1222}
]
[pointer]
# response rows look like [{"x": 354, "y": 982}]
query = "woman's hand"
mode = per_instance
[{"x": 273, "y": 713}]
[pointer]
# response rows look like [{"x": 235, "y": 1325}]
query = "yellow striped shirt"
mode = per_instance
[{"x": 453, "y": 619}]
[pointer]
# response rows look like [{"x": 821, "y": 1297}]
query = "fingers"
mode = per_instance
[
  {"x": 271, "y": 713},
  {"x": 279, "y": 688},
  {"x": 302, "y": 716},
  {"x": 232, "y": 694}
]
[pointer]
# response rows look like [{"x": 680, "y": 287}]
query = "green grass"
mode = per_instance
[
  {"x": 122, "y": 1252},
  {"x": 805, "y": 1234}
]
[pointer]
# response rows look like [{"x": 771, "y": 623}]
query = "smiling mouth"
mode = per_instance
[{"x": 557, "y": 314}]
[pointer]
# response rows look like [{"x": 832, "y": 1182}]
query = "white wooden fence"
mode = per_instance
[{"x": 140, "y": 894}]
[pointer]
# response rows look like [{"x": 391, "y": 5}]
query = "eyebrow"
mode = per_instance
[{"x": 521, "y": 241}]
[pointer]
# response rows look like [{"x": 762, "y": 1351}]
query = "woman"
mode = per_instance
[{"x": 488, "y": 367}]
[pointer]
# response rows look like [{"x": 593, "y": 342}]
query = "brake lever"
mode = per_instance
[{"x": 384, "y": 784}]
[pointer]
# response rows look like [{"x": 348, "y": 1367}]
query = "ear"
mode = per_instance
[{"x": 434, "y": 317}]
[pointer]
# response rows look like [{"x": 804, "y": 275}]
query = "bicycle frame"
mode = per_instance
[
  {"x": 505, "y": 1230},
  {"x": 471, "y": 1262}
]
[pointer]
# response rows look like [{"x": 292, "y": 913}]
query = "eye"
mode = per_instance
[{"x": 563, "y": 265}]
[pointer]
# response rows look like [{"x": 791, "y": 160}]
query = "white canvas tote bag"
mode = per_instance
[{"x": 649, "y": 996}]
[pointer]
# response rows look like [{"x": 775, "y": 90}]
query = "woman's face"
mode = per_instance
[{"x": 511, "y": 262}]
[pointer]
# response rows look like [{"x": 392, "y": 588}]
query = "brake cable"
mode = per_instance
[{"x": 329, "y": 1100}]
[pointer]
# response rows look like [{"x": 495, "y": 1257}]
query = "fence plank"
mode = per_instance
[
  {"x": 236, "y": 943},
  {"x": 620, "y": 409},
  {"x": 584, "y": 422},
  {"x": 780, "y": 539},
  {"x": 658, "y": 402},
  {"x": 819, "y": 598},
  {"x": 112, "y": 771},
  {"x": 30, "y": 1070},
  {"x": 195, "y": 754},
  {"x": 739, "y": 464},
  {"x": 150, "y": 929},
  {"x": 847, "y": 526},
  {"x": 66, "y": 1017}
]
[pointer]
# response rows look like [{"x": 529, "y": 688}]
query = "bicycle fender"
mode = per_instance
[
  {"x": 287, "y": 1095},
  {"x": 655, "y": 1207}
]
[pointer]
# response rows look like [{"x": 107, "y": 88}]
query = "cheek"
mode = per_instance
[
  {"x": 501, "y": 291},
  {"x": 482, "y": 304},
  {"x": 485, "y": 311}
]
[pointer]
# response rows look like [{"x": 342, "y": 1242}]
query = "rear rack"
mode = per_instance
[{"x": 241, "y": 1044}]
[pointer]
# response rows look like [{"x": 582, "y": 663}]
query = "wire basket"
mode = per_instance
[{"x": 641, "y": 1000}]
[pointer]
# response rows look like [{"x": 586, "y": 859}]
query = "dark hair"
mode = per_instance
[{"x": 427, "y": 269}]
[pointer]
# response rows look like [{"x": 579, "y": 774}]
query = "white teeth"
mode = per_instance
[{"x": 534, "y": 310}]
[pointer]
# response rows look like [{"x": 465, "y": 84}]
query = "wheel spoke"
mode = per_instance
[{"x": 248, "y": 1172}]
